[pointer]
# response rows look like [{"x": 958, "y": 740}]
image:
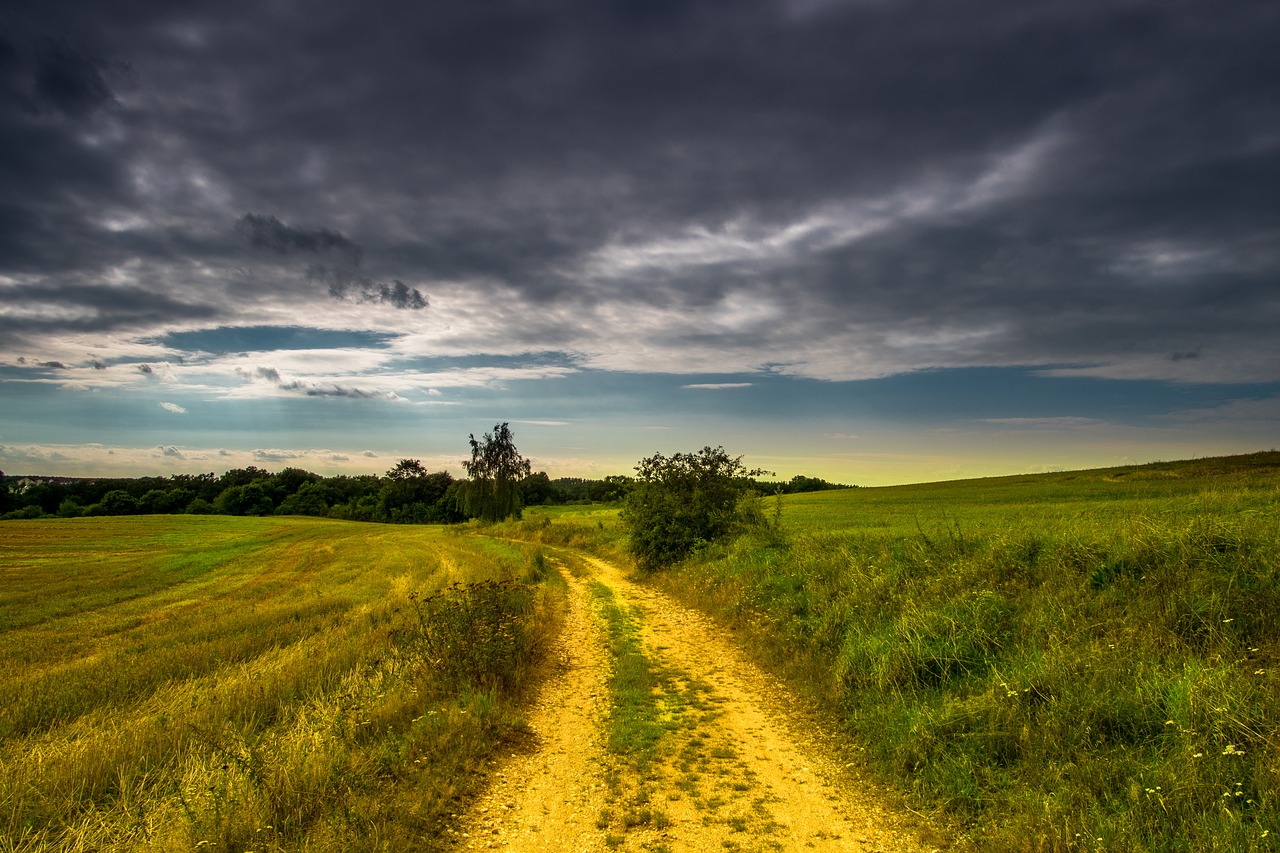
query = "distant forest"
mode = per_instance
[{"x": 407, "y": 494}]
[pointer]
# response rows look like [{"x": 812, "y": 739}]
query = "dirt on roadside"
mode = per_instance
[{"x": 739, "y": 768}]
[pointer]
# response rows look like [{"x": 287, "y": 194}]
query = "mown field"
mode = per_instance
[
  {"x": 1078, "y": 661},
  {"x": 180, "y": 683}
]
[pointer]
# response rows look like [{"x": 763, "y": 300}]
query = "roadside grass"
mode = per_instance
[
  {"x": 595, "y": 530},
  {"x": 268, "y": 684},
  {"x": 1084, "y": 661}
]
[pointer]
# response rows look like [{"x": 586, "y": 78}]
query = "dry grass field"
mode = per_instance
[{"x": 181, "y": 683}]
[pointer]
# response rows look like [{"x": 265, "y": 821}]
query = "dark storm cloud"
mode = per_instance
[
  {"x": 1081, "y": 181},
  {"x": 402, "y": 296},
  {"x": 268, "y": 232},
  {"x": 53, "y": 75},
  {"x": 55, "y": 93},
  {"x": 350, "y": 285},
  {"x": 343, "y": 279},
  {"x": 314, "y": 389}
]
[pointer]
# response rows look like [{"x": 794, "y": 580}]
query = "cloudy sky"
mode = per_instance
[{"x": 873, "y": 240}]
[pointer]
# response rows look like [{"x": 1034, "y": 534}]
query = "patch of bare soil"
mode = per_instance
[{"x": 738, "y": 768}]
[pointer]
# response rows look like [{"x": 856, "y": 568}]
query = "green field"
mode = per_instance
[
  {"x": 1076, "y": 661},
  {"x": 177, "y": 682}
]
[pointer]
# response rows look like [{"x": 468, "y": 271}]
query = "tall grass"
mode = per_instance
[
  {"x": 232, "y": 684},
  {"x": 595, "y": 530},
  {"x": 1056, "y": 664}
]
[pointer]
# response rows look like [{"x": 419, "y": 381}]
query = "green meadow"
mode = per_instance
[
  {"x": 1061, "y": 662},
  {"x": 1077, "y": 661},
  {"x": 213, "y": 683}
]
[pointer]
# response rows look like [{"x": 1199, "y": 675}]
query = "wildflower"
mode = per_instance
[{"x": 1198, "y": 755}]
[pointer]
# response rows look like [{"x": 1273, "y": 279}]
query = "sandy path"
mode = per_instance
[
  {"x": 549, "y": 799},
  {"x": 738, "y": 770}
]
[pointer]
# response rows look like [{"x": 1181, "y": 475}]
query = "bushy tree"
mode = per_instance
[
  {"x": 407, "y": 469},
  {"x": 251, "y": 499},
  {"x": 200, "y": 506},
  {"x": 70, "y": 508},
  {"x": 682, "y": 501},
  {"x": 609, "y": 490},
  {"x": 160, "y": 501},
  {"x": 496, "y": 468},
  {"x": 118, "y": 502},
  {"x": 308, "y": 500},
  {"x": 800, "y": 483},
  {"x": 537, "y": 489},
  {"x": 412, "y": 495}
]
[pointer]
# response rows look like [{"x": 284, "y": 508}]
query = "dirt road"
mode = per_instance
[{"x": 734, "y": 766}]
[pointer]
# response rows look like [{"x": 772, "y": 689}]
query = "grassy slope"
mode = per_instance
[
  {"x": 173, "y": 682},
  {"x": 1077, "y": 661}
]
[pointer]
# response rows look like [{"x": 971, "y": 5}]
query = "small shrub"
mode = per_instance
[
  {"x": 681, "y": 503},
  {"x": 476, "y": 634}
]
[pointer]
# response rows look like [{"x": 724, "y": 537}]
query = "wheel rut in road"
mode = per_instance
[{"x": 724, "y": 760}]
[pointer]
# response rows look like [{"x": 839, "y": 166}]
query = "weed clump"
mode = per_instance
[{"x": 477, "y": 635}]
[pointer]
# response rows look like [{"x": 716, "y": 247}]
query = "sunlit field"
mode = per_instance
[
  {"x": 213, "y": 683},
  {"x": 1064, "y": 662},
  {"x": 1084, "y": 661}
]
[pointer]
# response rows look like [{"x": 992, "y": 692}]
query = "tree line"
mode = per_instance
[
  {"x": 499, "y": 485},
  {"x": 406, "y": 494}
]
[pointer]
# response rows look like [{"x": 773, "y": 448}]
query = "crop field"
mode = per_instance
[
  {"x": 1078, "y": 661},
  {"x": 213, "y": 683}
]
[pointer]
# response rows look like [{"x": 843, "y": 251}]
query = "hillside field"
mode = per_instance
[{"x": 1075, "y": 661}]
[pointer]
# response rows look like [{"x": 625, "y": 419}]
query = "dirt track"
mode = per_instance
[{"x": 737, "y": 768}]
